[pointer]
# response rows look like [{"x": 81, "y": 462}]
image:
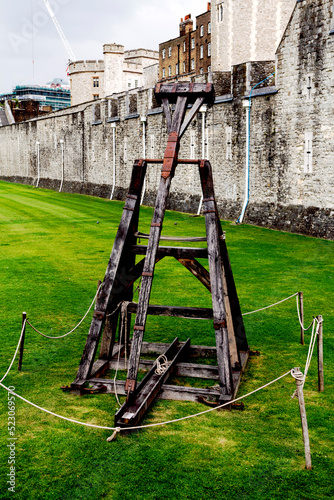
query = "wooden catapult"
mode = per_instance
[{"x": 231, "y": 351}]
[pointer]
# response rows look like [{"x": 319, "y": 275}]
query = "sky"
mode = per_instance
[{"x": 28, "y": 34}]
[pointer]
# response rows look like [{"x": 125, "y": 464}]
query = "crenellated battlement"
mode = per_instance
[{"x": 86, "y": 66}]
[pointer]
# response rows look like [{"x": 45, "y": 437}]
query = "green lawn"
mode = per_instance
[{"x": 54, "y": 248}]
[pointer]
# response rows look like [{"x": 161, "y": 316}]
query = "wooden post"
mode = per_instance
[
  {"x": 320, "y": 356},
  {"x": 301, "y": 309},
  {"x": 299, "y": 384},
  {"x": 98, "y": 286},
  {"x": 24, "y": 317}
]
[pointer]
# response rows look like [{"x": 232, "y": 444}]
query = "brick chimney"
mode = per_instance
[
  {"x": 186, "y": 25},
  {"x": 209, "y": 6}
]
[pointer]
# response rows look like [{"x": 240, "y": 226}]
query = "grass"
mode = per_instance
[{"x": 53, "y": 249}]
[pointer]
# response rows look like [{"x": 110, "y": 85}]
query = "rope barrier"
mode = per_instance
[
  {"x": 272, "y": 305},
  {"x": 73, "y": 329},
  {"x": 300, "y": 321},
  {"x": 16, "y": 351}
]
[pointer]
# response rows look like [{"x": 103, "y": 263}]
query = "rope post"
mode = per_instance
[
  {"x": 299, "y": 383},
  {"x": 301, "y": 309},
  {"x": 24, "y": 318},
  {"x": 321, "y": 387}
]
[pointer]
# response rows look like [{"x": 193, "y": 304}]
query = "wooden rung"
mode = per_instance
[
  {"x": 177, "y": 252},
  {"x": 173, "y": 311},
  {"x": 192, "y": 239}
]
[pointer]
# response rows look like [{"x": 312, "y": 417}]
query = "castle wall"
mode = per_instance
[{"x": 291, "y": 141}]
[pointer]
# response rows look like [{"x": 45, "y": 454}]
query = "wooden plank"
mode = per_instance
[
  {"x": 175, "y": 312},
  {"x": 24, "y": 319},
  {"x": 238, "y": 322},
  {"x": 190, "y": 115},
  {"x": 195, "y": 351},
  {"x": 177, "y": 252},
  {"x": 216, "y": 278},
  {"x": 178, "y": 115},
  {"x": 165, "y": 104},
  {"x": 235, "y": 360},
  {"x": 149, "y": 388},
  {"x": 198, "y": 271},
  {"x": 320, "y": 344},
  {"x": 190, "y": 90},
  {"x": 194, "y": 370},
  {"x": 97, "y": 323}
]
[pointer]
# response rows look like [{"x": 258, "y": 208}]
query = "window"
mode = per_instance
[
  {"x": 152, "y": 145},
  {"x": 193, "y": 64},
  {"x": 220, "y": 12},
  {"x": 169, "y": 71},
  {"x": 163, "y": 73},
  {"x": 169, "y": 51},
  {"x": 209, "y": 49},
  {"x": 184, "y": 46},
  {"x": 201, "y": 52},
  {"x": 308, "y": 152},
  {"x": 192, "y": 43},
  {"x": 163, "y": 53},
  {"x": 209, "y": 69},
  {"x": 309, "y": 88},
  {"x": 125, "y": 150},
  {"x": 201, "y": 30},
  {"x": 129, "y": 84},
  {"x": 201, "y": 71},
  {"x": 177, "y": 69},
  {"x": 184, "y": 66},
  {"x": 136, "y": 83},
  {"x": 96, "y": 81},
  {"x": 209, "y": 28},
  {"x": 96, "y": 96}
]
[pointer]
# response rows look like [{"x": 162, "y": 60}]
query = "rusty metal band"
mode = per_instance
[
  {"x": 132, "y": 197},
  {"x": 98, "y": 315},
  {"x": 130, "y": 385},
  {"x": 140, "y": 328},
  {"x": 156, "y": 224},
  {"x": 217, "y": 325},
  {"x": 209, "y": 212},
  {"x": 191, "y": 87},
  {"x": 208, "y": 199},
  {"x": 129, "y": 208},
  {"x": 149, "y": 275}
]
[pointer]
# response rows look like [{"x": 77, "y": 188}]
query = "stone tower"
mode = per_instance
[
  {"x": 247, "y": 30},
  {"x": 113, "y": 68}
]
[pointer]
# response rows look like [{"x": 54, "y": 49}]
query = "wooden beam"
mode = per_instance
[
  {"x": 198, "y": 271},
  {"x": 191, "y": 113},
  {"x": 177, "y": 252},
  {"x": 175, "y": 312}
]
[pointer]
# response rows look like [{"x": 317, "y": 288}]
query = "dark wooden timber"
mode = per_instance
[
  {"x": 198, "y": 271},
  {"x": 24, "y": 319},
  {"x": 175, "y": 312},
  {"x": 197, "y": 104},
  {"x": 168, "y": 168},
  {"x": 168, "y": 115},
  {"x": 177, "y": 252},
  {"x": 113, "y": 269},
  {"x": 192, "y": 91},
  {"x": 131, "y": 413},
  {"x": 212, "y": 224}
]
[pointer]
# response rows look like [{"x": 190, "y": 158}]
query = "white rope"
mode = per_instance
[
  {"x": 162, "y": 364},
  {"x": 147, "y": 425},
  {"x": 124, "y": 325},
  {"x": 16, "y": 351},
  {"x": 300, "y": 321},
  {"x": 272, "y": 305},
  {"x": 73, "y": 329}
]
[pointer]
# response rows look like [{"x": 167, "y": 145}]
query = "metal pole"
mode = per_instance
[
  {"x": 62, "y": 164},
  {"x": 300, "y": 393},
  {"x": 113, "y": 126},
  {"x": 143, "y": 120},
  {"x": 203, "y": 109},
  {"x": 321, "y": 386},
  {"x": 24, "y": 317},
  {"x": 38, "y": 164},
  {"x": 301, "y": 309}
]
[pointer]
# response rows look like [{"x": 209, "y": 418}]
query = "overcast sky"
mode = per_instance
[{"x": 28, "y": 33}]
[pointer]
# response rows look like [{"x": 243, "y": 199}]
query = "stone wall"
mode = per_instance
[{"x": 291, "y": 139}]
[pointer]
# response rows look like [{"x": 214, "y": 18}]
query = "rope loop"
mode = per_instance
[{"x": 162, "y": 364}]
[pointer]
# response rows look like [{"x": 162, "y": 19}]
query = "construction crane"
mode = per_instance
[{"x": 60, "y": 32}]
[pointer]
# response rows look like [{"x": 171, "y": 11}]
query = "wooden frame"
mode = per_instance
[{"x": 231, "y": 351}]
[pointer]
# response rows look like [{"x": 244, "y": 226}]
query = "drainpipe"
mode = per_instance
[
  {"x": 203, "y": 109},
  {"x": 113, "y": 126},
  {"x": 62, "y": 164},
  {"x": 143, "y": 120},
  {"x": 248, "y": 106},
  {"x": 38, "y": 164}
]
